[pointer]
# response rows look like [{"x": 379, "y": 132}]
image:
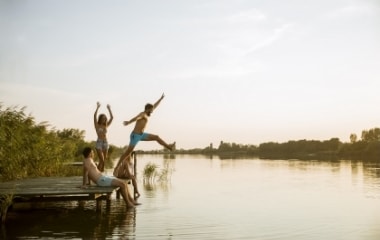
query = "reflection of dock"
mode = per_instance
[{"x": 45, "y": 189}]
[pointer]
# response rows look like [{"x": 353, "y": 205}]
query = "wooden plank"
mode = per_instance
[
  {"x": 56, "y": 198},
  {"x": 74, "y": 164},
  {"x": 50, "y": 186},
  {"x": 46, "y": 189},
  {"x": 60, "y": 191}
]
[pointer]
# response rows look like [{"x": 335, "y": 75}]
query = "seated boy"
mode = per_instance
[
  {"x": 124, "y": 169},
  {"x": 91, "y": 172}
]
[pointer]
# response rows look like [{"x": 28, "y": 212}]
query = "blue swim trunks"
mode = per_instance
[
  {"x": 105, "y": 181},
  {"x": 134, "y": 138},
  {"x": 101, "y": 144}
]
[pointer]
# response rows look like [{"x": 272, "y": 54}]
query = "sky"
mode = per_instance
[{"x": 241, "y": 71}]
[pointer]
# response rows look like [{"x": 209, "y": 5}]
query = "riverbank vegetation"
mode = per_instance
[
  {"x": 30, "y": 149},
  {"x": 367, "y": 148}
]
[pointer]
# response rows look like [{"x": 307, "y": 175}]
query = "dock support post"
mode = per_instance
[
  {"x": 98, "y": 205},
  {"x": 6, "y": 201},
  {"x": 4, "y": 212}
]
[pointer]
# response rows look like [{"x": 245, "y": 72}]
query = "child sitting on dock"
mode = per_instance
[
  {"x": 91, "y": 172},
  {"x": 124, "y": 170}
]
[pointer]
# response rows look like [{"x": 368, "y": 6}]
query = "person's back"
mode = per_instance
[{"x": 93, "y": 172}]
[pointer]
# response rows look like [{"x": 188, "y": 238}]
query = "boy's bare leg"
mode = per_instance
[
  {"x": 171, "y": 147},
  {"x": 126, "y": 198},
  {"x": 101, "y": 160},
  {"x": 131, "y": 199},
  {"x": 125, "y": 154},
  {"x": 157, "y": 138},
  {"x": 105, "y": 155},
  {"x": 124, "y": 193},
  {"x": 136, "y": 193}
]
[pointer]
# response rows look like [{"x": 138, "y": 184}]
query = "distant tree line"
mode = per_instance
[
  {"x": 367, "y": 148},
  {"x": 30, "y": 149}
]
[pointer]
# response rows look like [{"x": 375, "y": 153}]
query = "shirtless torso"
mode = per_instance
[
  {"x": 91, "y": 169},
  {"x": 141, "y": 122},
  {"x": 138, "y": 133}
]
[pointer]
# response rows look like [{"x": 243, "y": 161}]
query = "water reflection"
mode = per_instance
[
  {"x": 152, "y": 187},
  {"x": 64, "y": 220},
  {"x": 169, "y": 156},
  {"x": 210, "y": 198}
]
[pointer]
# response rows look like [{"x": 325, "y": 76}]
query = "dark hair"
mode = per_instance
[
  {"x": 100, "y": 117},
  {"x": 148, "y": 106},
  {"x": 86, "y": 152}
]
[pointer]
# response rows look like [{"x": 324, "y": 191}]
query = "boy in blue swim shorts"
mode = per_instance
[
  {"x": 134, "y": 138},
  {"x": 138, "y": 133}
]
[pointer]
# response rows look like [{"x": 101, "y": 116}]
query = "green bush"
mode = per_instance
[{"x": 28, "y": 149}]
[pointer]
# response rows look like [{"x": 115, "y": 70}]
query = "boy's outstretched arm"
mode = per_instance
[
  {"x": 158, "y": 101},
  {"x": 134, "y": 119}
]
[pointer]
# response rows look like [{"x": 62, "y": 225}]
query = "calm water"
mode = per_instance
[{"x": 226, "y": 199}]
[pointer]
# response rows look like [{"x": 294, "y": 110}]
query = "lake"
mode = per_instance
[{"x": 209, "y": 198}]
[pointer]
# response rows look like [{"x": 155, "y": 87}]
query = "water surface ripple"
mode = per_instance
[{"x": 210, "y": 198}]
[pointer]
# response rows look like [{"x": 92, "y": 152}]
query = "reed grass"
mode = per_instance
[{"x": 152, "y": 173}]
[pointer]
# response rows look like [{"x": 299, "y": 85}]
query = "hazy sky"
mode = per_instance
[{"x": 232, "y": 70}]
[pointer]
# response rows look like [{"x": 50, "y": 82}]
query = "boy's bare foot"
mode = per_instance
[{"x": 172, "y": 146}]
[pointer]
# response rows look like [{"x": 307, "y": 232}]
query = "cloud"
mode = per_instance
[
  {"x": 14, "y": 93},
  {"x": 269, "y": 40},
  {"x": 352, "y": 10},
  {"x": 60, "y": 109},
  {"x": 247, "y": 16},
  {"x": 222, "y": 70}
]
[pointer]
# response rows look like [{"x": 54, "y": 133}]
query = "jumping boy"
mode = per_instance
[{"x": 138, "y": 133}]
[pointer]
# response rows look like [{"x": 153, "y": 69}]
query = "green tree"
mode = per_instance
[
  {"x": 29, "y": 149},
  {"x": 371, "y": 135},
  {"x": 353, "y": 138}
]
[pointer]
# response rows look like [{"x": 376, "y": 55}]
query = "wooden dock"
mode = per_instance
[{"x": 44, "y": 189}]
